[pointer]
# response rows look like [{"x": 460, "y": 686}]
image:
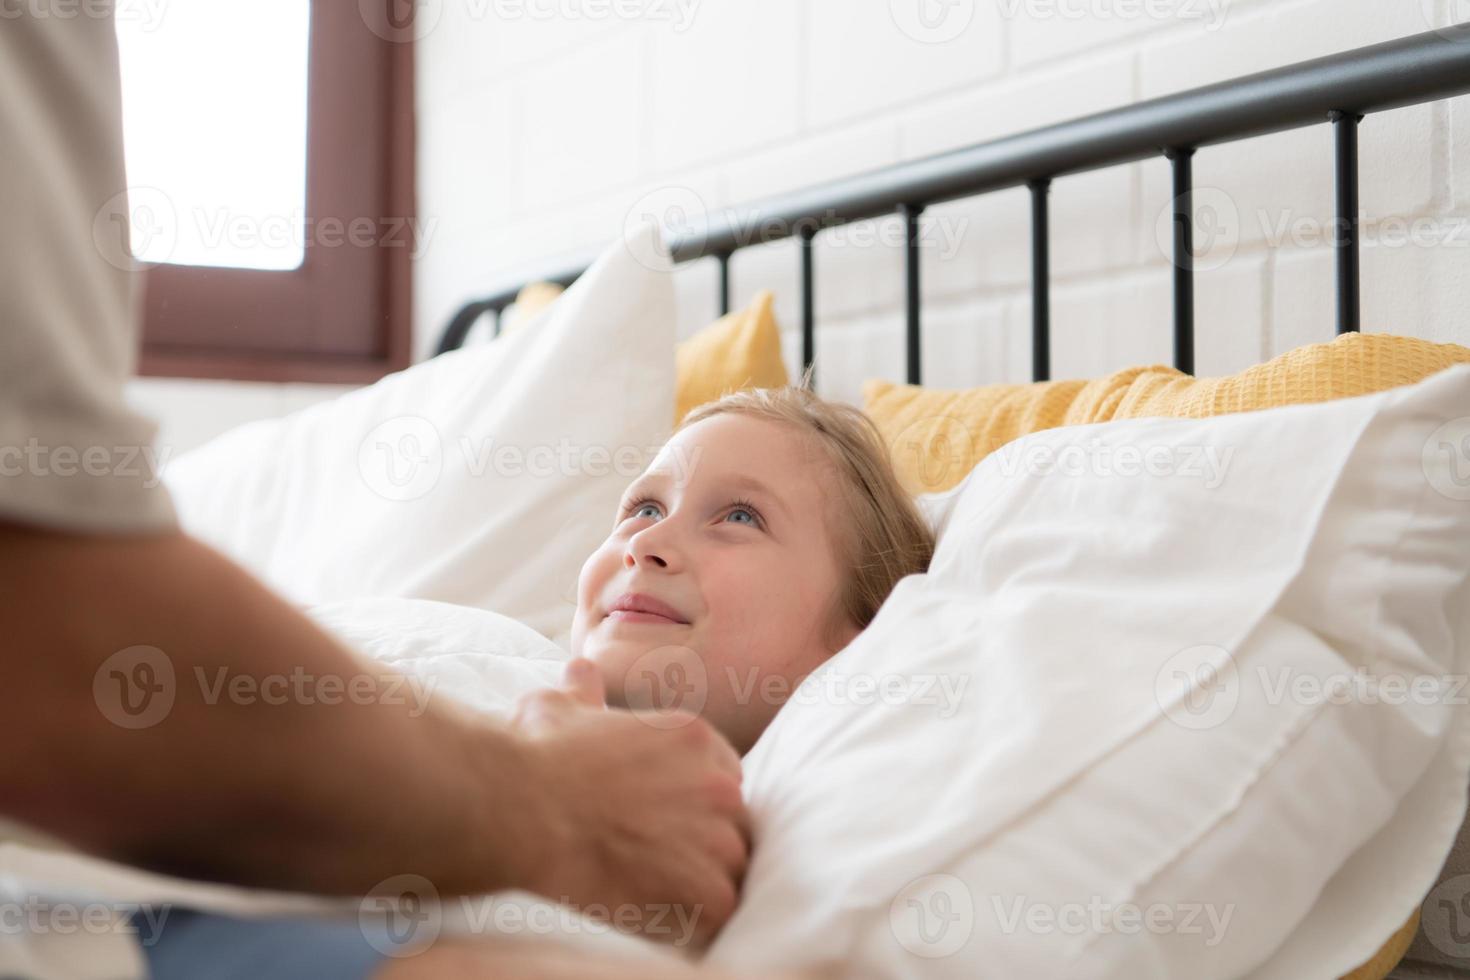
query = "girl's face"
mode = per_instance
[{"x": 715, "y": 592}]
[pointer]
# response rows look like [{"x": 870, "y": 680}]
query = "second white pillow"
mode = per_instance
[{"x": 483, "y": 477}]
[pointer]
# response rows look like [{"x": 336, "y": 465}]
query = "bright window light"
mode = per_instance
[{"x": 214, "y": 127}]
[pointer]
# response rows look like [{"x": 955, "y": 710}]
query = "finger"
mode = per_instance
[
  {"x": 729, "y": 847},
  {"x": 583, "y": 681},
  {"x": 729, "y": 806},
  {"x": 725, "y": 755},
  {"x": 537, "y": 709},
  {"x": 717, "y": 896}
]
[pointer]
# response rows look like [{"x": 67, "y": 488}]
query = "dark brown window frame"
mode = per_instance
[{"x": 345, "y": 315}]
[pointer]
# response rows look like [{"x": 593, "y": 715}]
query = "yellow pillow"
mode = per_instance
[
  {"x": 532, "y": 299},
  {"x": 740, "y": 350},
  {"x": 1381, "y": 962},
  {"x": 938, "y": 436}
]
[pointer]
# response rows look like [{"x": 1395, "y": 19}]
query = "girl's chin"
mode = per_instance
[{"x": 643, "y": 672}]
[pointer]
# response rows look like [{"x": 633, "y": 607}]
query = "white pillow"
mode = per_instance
[
  {"x": 484, "y": 477},
  {"x": 481, "y": 659},
  {"x": 1068, "y": 750}
]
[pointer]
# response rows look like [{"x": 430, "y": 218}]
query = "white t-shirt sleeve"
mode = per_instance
[{"x": 73, "y": 455}]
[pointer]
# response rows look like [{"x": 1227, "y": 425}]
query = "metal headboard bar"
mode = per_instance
[
  {"x": 1339, "y": 89},
  {"x": 724, "y": 258},
  {"x": 911, "y": 214},
  {"x": 1345, "y": 228},
  {"x": 1181, "y": 165},
  {"x": 1040, "y": 281},
  {"x": 808, "y": 306}
]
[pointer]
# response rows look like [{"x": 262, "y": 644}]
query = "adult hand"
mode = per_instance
[{"x": 638, "y": 815}]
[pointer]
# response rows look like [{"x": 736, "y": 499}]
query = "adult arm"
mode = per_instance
[
  {"x": 294, "y": 795},
  {"x": 589, "y": 805}
]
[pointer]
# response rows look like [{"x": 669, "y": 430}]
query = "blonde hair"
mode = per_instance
[{"x": 885, "y": 537}]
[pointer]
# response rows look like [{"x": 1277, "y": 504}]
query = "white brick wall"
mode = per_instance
[{"x": 541, "y": 126}]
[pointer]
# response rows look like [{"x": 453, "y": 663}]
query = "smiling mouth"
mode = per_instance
[{"x": 630, "y": 616}]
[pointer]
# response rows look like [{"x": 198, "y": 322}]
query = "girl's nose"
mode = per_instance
[
  {"x": 630, "y": 561},
  {"x": 654, "y": 551}
]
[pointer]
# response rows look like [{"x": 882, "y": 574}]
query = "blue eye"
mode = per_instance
[
  {"x": 745, "y": 508},
  {"x": 639, "y": 508}
]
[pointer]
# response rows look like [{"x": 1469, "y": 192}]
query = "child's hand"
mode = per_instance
[{"x": 628, "y": 815}]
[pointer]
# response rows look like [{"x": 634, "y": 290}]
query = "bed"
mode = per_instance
[{"x": 1336, "y": 92}]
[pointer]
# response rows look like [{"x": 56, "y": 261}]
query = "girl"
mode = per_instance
[{"x": 760, "y": 541}]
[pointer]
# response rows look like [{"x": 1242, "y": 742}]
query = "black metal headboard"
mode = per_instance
[{"x": 1339, "y": 90}]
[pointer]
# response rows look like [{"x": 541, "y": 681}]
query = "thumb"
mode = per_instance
[{"x": 583, "y": 681}]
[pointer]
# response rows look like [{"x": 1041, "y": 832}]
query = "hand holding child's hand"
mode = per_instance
[{"x": 633, "y": 816}]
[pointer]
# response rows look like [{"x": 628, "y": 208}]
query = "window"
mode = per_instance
[{"x": 269, "y": 150}]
